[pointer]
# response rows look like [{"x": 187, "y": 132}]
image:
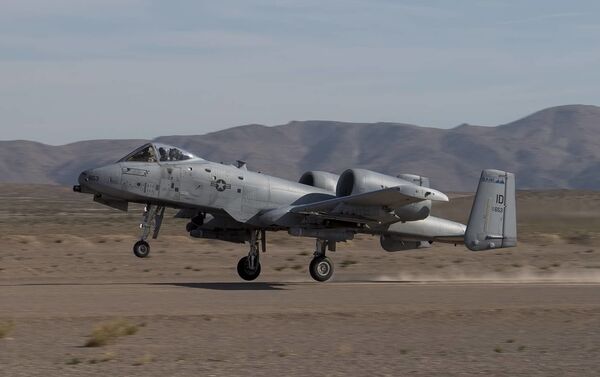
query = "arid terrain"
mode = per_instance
[
  {"x": 75, "y": 301},
  {"x": 557, "y": 147}
]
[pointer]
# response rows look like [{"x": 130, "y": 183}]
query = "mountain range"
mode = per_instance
[{"x": 558, "y": 147}]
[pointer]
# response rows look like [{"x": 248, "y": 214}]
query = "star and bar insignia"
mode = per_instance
[{"x": 220, "y": 185}]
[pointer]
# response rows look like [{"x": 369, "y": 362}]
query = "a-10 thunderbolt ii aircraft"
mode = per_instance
[{"x": 231, "y": 203}]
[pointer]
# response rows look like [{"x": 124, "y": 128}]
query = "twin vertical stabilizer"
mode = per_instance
[{"x": 493, "y": 220}]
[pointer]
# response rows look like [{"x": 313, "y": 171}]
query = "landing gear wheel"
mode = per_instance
[
  {"x": 244, "y": 270},
  {"x": 321, "y": 269},
  {"x": 141, "y": 249}
]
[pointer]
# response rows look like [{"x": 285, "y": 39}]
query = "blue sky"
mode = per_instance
[{"x": 75, "y": 69}]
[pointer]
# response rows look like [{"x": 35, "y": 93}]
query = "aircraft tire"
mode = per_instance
[
  {"x": 244, "y": 272},
  {"x": 321, "y": 269},
  {"x": 141, "y": 249}
]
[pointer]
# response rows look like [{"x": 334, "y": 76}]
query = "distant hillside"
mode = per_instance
[{"x": 557, "y": 147}]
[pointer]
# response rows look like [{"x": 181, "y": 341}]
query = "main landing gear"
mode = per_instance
[
  {"x": 152, "y": 218},
  {"x": 249, "y": 267},
  {"x": 321, "y": 267}
]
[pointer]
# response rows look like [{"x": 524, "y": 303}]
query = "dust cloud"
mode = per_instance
[{"x": 527, "y": 275}]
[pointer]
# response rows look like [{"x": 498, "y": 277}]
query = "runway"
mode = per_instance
[
  {"x": 66, "y": 269},
  {"x": 71, "y": 299},
  {"x": 358, "y": 328}
]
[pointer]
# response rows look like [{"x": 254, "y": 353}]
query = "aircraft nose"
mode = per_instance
[
  {"x": 86, "y": 180},
  {"x": 100, "y": 180},
  {"x": 84, "y": 177}
]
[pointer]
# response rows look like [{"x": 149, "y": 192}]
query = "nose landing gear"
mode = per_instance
[
  {"x": 152, "y": 218},
  {"x": 141, "y": 249}
]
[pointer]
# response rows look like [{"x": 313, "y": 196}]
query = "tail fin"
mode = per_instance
[{"x": 493, "y": 220}]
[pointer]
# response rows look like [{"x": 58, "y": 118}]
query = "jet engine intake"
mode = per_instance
[
  {"x": 320, "y": 179},
  {"x": 358, "y": 181}
]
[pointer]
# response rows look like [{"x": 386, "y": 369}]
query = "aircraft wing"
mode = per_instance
[{"x": 391, "y": 197}]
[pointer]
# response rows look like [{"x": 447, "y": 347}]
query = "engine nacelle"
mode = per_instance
[
  {"x": 320, "y": 179},
  {"x": 392, "y": 243},
  {"x": 358, "y": 181},
  {"x": 416, "y": 179}
]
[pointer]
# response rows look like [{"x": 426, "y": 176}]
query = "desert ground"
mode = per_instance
[{"x": 75, "y": 301}]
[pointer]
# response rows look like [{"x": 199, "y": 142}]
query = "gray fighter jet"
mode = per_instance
[{"x": 231, "y": 203}]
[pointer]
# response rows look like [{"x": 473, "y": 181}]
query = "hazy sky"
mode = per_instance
[{"x": 75, "y": 69}]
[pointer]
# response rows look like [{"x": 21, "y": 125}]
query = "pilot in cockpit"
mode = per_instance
[
  {"x": 163, "y": 154},
  {"x": 145, "y": 155},
  {"x": 154, "y": 153}
]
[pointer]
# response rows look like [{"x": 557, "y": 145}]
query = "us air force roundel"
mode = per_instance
[{"x": 220, "y": 185}]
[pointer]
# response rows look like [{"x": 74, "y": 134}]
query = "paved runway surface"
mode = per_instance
[
  {"x": 298, "y": 329},
  {"x": 189, "y": 298},
  {"x": 66, "y": 268}
]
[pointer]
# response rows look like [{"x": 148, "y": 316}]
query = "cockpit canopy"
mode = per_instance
[{"x": 155, "y": 152}]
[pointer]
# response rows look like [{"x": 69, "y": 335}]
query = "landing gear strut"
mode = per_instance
[
  {"x": 249, "y": 267},
  {"x": 152, "y": 218},
  {"x": 321, "y": 267}
]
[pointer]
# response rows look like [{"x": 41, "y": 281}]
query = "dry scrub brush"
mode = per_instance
[
  {"x": 5, "y": 328},
  {"x": 108, "y": 332}
]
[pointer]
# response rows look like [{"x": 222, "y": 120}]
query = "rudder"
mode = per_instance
[{"x": 493, "y": 220}]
